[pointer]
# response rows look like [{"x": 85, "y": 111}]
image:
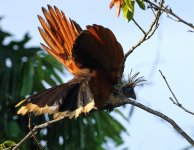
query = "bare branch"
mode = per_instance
[
  {"x": 175, "y": 100},
  {"x": 188, "y": 147},
  {"x": 156, "y": 113},
  {"x": 145, "y": 37},
  {"x": 169, "y": 11},
  {"x": 168, "y": 86},
  {"x": 33, "y": 134},
  {"x": 142, "y": 30},
  {"x": 190, "y": 31},
  {"x": 34, "y": 130},
  {"x": 122, "y": 101}
]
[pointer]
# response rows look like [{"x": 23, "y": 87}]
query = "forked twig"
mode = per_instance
[
  {"x": 175, "y": 100},
  {"x": 145, "y": 37},
  {"x": 33, "y": 133},
  {"x": 169, "y": 11},
  {"x": 156, "y": 113}
]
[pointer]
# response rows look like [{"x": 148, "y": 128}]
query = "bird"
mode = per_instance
[{"x": 93, "y": 56}]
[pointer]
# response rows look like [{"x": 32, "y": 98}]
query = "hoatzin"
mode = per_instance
[{"x": 93, "y": 56}]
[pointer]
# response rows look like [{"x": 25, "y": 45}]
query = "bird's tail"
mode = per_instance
[{"x": 70, "y": 100}]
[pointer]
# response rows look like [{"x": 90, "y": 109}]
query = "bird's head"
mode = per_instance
[{"x": 133, "y": 80}]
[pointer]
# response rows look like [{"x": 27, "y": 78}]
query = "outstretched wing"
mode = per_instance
[
  {"x": 69, "y": 99},
  {"x": 59, "y": 33},
  {"x": 79, "y": 51}
]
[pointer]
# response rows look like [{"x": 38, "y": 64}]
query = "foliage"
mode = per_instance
[
  {"x": 127, "y": 7},
  {"x": 7, "y": 145},
  {"x": 24, "y": 71}
]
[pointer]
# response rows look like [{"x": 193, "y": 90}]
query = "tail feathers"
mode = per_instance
[{"x": 69, "y": 100}]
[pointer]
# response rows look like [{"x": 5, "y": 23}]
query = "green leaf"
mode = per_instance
[
  {"x": 128, "y": 10},
  {"x": 2, "y": 147},
  {"x": 53, "y": 62},
  {"x": 12, "y": 129},
  {"x": 3, "y": 35},
  {"x": 51, "y": 66},
  {"x": 28, "y": 78},
  {"x": 25, "y": 39},
  {"x": 81, "y": 134},
  {"x": 9, "y": 143},
  {"x": 121, "y": 114},
  {"x": 112, "y": 133},
  {"x": 141, "y": 4},
  {"x": 129, "y": 5}
]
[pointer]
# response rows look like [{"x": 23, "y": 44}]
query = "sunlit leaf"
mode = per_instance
[
  {"x": 141, "y": 4},
  {"x": 129, "y": 4},
  {"x": 2, "y": 147},
  {"x": 9, "y": 143},
  {"x": 128, "y": 10}
]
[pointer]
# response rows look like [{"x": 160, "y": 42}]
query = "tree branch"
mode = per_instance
[
  {"x": 122, "y": 101},
  {"x": 156, "y": 113},
  {"x": 33, "y": 134},
  {"x": 145, "y": 37},
  {"x": 34, "y": 130},
  {"x": 169, "y": 11},
  {"x": 142, "y": 30},
  {"x": 175, "y": 100}
]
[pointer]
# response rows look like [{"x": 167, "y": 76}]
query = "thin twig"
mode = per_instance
[
  {"x": 168, "y": 86},
  {"x": 190, "y": 31},
  {"x": 188, "y": 147},
  {"x": 146, "y": 36},
  {"x": 156, "y": 113},
  {"x": 142, "y": 30},
  {"x": 182, "y": 107},
  {"x": 34, "y": 130},
  {"x": 175, "y": 100},
  {"x": 33, "y": 133},
  {"x": 169, "y": 11}
]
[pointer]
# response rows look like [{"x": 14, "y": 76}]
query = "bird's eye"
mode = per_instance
[{"x": 128, "y": 92}]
